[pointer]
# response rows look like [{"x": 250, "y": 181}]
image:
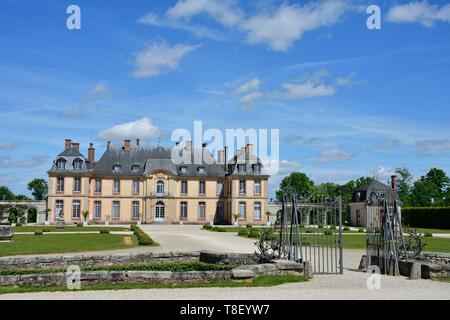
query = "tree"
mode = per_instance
[
  {"x": 38, "y": 188},
  {"x": 438, "y": 178},
  {"x": 404, "y": 185},
  {"x": 327, "y": 189},
  {"x": 297, "y": 182},
  {"x": 6, "y": 194},
  {"x": 430, "y": 189}
]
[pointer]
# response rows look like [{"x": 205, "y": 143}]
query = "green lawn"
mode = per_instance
[
  {"x": 264, "y": 281},
  {"x": 423, "y": 230},
  {"x": 62, "y": 243},
  {"x": 442, "y": 279},
  {"x": 68, "y": 228}
]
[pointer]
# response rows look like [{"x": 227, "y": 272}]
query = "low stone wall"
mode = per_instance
[
  {"x": 86, "y": 260},
  {"x": 431, "y": 265},
  {"x": 227, "y": 258}
]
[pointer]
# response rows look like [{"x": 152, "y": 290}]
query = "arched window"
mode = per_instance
[
  {"x": 116, "y": 168},
  {"x": 159, "y": 211},
  {"x": 135, "y": 168},
  {"x": 77, "y": 164},
  {"x": 160, "y": 187},
  {"x": 61, "y": 164}
]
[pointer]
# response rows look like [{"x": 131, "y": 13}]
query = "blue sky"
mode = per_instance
[{"x": 348, "y": 101}]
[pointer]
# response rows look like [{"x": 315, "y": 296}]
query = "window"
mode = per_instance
[
  {"x": 98, "y": 186},
  {"x": 183, "y": 169},
  {"x": 202, "y": 187},
  {"x": 60, "y": 184},
  {"x": 77, "y": 164},
  {"x": 135, "y": 168},
  {"x": 183, "y": 210},
  {"x": 136, "y": 186},
  {"x": 59, "y": 210},
  {"x": 201, "y": 211},
  {"x": 242, "y": 210},
  {"x": 219, "y": 211},
  {"x": 76, "y": 209},
  {"x": 159, "y": 213},
  {"x": 242, "y": 187},
  {"x": 241, "y": 168},
  {"x": 116, "y": 168},
  {"x": 184, "y": 187},
  {"x": 257, "y": 211},
  {"x": 77, "y": 184},
  {"x": 116, "y": 188},
  {"x": 257, "y": 186},
  {"x": 61, "y": 164},
  {"x": 219, "y": 188},
  {"x": 97, "y": 209},
  {"x": 257, "y": 168},
  {"x": 135, "y": 210},
  {"x": 160, "y": 187},
  {"x": 201, "y": 169},
  {"x": 116, "y": 210}
]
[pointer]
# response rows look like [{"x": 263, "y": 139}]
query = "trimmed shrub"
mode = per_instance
[
  {"x": 38, "y": 233},
  {"x": 243, "y": 232},
  {"x": 254, "y": 233},
  {"x": 79, "y": 225},
  {"x": 46, "y": 230},
  {"x": 249, "y": 226},
  {"x": 428, "y": 235},
  {"x": 219, "y": 229},
  {"x": 361, "y": 230},
  {"x": 207, "y": 226},
  {"x": 143, "y": 238},
  {"x": 104, "y": 231},
  {"x": 328, "y": 232},
  {"x": 332, "y": 227},
  {"x": 346, "y": 229},
  {"x": 320, "y": 226},
  {"x": 433, "y": 218}
]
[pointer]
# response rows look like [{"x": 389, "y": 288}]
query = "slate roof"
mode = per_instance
[
  {"x": 361, "y": 193},
  {"x": 70, "y": 155}
]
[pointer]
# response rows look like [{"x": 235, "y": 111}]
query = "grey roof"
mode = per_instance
[
  {"x": 361, "y": 193},
  {"x": 249, "y": 160},
  {"x": 70, "y": 155}
]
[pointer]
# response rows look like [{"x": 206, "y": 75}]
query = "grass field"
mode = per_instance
[
  {"x": 264, "y": 281},
  {"x": 67, "y": 229},
  {"x": 62, "y": 243},
  {"x": 423, "y": 230}
]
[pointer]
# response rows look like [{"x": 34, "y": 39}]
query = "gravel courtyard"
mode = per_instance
[{"x": 351, "y": 285}]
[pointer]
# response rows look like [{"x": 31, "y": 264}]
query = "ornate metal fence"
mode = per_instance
[{"x": 310, "y": 229}]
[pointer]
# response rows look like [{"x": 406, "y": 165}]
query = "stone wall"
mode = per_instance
[{"x": 227, "y": 258}]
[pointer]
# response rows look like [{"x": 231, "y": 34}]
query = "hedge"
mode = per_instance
[
  {"x": 143, "y": 238},
  {"x": 430, "y": 217}
]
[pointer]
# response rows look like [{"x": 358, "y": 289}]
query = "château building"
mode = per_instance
[{"x": 140, "y": 183}]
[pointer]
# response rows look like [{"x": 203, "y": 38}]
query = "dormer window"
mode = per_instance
[
  {"x": 183, "y": 169},
  {"x": 77, "y": 164},
  {"x": 201, "y": 169},
  {"x": 116, "y": 168},
  {"x": 135, "y": 168},
  {"x": 241, "y": 168},
  {"x": 61, "y": 164},
  {"x": 231, "y": 168},
  {"x": 257, "y": 167}
]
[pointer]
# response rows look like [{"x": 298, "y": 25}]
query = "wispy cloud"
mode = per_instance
[
  {"x": 30, "y": 162},
  {"x": 429, "y": 146},
  {"x": 142, "y": 129},
  {"x": 331, "y": 155},
  {"x": 385, "y": 145},
  {"x": 160, "y": 58},
  {"x": 419, "y": 12},
  {"x": 98, "y": 93},
  {"x": 8, "y": 146}
]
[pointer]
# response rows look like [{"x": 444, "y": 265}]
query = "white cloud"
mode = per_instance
[
  {"x": 33, "y": 161},
  {"x": 333, "y": 155},
  {"x": 141, "y": 129},
  {"x": 251, "y": 85},
  {"x": 419, "y": 12},
  {"x": 428, "y": 146},
  {"x": 160, "y": 58},
  {"x": 306, "y": 90},
  {"x": 385, "y": 145},
  {"x": 97, "y": 93},
  {"x": 249, "y": 99},
  {"x": 290, "y": 22}
]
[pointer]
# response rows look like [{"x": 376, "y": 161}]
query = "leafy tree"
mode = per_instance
[
  {"x": 425, "y": 194},
  {"x": 22, "y": 197},
  {"x": 327, "y": 189},
  {"x": 404, "y": 185},
  {"x": 39, "y": 189},
  {"x": 6, "y": 194},
  {"x": 297, "y": 182},
  {"x": 438, "y": 178}
]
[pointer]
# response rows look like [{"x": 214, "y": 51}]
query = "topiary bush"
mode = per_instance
[
  {"x": 104, "y": 231},
  {"x": 361, "y": 230},
  {"x": 219, "y": 229},
  {"x": 207, "y": 226},
  {"x": 428, "y": 235},
  {"x": 38, "y": 233},
  {"x": 79, "y": 225},
  {"x": 254, "y": 233},
  {"x": 143, "y": 238},
  {"x": 46, "y": 230},
  {"x": 346, "y": 229},
  {"x": 249, "y": 226},
  {"x": 243, "y": 232}
]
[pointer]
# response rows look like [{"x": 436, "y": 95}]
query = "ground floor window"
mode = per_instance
[
  {"x": 135, "y": 210},
  {"x": 219, "y": 210},
  {"x": 76, "y": 209},
  {"x": 116, "y": 210},
  {"x": 183, "y": 210},
  {"x": 242, "y": 210},
  {"x": 97, "y": 210},
  {"x": 201, "y": 211},
  {"x": 59, "y": 209},
  {"x": 257, "y": 211},
  {"x": 159, "y": 213}
]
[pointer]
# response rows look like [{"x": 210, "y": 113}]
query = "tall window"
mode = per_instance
[
  {"x": 201, "y": 211},
  {"x": 135, "y": 186},
  {"x": 61, "y": 164},
  {"x": 241, "y": 168},
  {"x": 257, "y": 211},
  {"x": 98, "y": 186},
  {"x": 219, "y": 210},
  {"x": 183, "y": 210},
  {"x": 76, "y": 209},
  {"x": 77, "y": 164},
  {"x": 242, "y": 210},
  {"x": 201, "y": 187},
  {"x": 77, "y": 184},
  {"x": 160, "y": 211},
  {"x": 116, "y": 188},
  {"x": 257, "y": 186},
  {"x": 97, "y": 209},
  {"x": 116, "y": 210},
  {"x": 60, "y": 184},
  {"x": 59, "y": 210},
  {"x": 135, "y": 210},
  {"x": 219, "y": 188},
  {"x": 184, "y": 187},
  {"x": 242, "y": 187},
  {"x": 160, "y": 187}
]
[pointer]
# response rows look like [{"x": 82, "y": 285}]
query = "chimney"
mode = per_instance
[
  {"x": 221, "y": 157},
  {"x": 127, "y": 145},
  {"x": 138, "y": 142},
  {"x": 189, "y": 146},
  {"x": 76, "y": 146},
  {"x": 108, "y": 145},
  {"x": 249, "y": 150},
  {"x": 225, "y": 155},
  {"x": 68, "y": 143},
  {"x": 394, "y": 182},
  {"x": 91, "y": 153}
]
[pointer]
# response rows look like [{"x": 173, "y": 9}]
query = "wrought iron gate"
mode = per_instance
[{"x": 310, "y": 229}]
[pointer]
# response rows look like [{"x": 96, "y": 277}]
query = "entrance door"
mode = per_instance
[{"x": 159, "y": 212}]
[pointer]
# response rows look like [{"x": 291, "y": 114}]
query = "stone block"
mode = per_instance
[
  {"x": 308, "y": 269},
  {"x": 415, "y": 271},
  {"x": 242, "y": 274}
]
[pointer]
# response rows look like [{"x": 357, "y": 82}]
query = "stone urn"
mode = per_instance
[{"x": 6, "y": 230}]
